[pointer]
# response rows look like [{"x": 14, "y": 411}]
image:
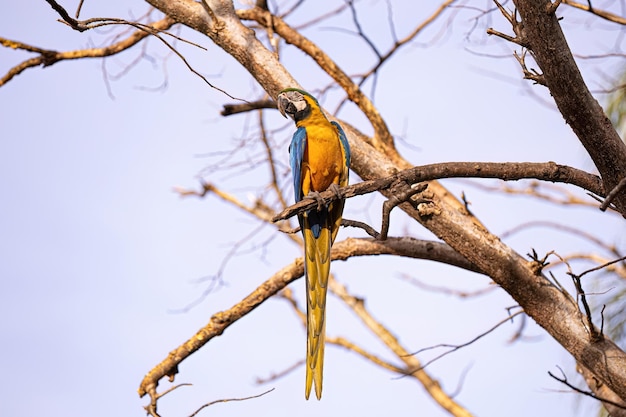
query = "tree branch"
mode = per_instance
[
  {"x": 507, "y": 171},
  {"x": 580, "y": 109},
  {"x": 605, "y": 401},
  {"x": 382, "y": 137},
  {"x": 343, "y": 250},
  {"x": 226, "y": 400},
  {"x": 413, "y": 364},
  {"x": 613, "y": 404},
  {"x": 49, "y": 57},
  {"x": 600, "y": 13},
  {"x": 231, "y": 109}
]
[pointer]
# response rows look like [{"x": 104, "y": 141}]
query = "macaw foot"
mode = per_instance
[
  {"x": 314, "y": 195},
  {"x": 336, "y": 190}
]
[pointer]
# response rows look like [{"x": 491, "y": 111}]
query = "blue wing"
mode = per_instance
[{"x": 296, "y": 155}]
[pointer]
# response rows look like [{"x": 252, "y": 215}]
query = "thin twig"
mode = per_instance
[
  {"x": 551, "y": 7},
  {"x": 614, "y": 192},
  {"x": 600, "y": 13},
  {"x": 49, "y": 57},
  {"x": 151, "y": 408},
  {"x": 229, "y": 400},
  {"x": 78, "y": 9},
  {"x": 397, "y": 198},
  {"x": 366, "y": 227},
  {"x": 604, "y": 265},
  {"x": 596, "y": 336},
  {"x": 454, "y": 348},
  {"x": 584, "y": 392}
]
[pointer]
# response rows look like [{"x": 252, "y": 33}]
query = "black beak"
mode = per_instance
[{"x": 285, "y": 106}]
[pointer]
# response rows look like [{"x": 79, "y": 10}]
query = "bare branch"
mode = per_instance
[
  {"x": 78, "y": 9},
  {"x": 226, "y": 400},
  {"x": 429, "y": 384},
  {"x": 604, "y": 265},
  {"x": 231, "y": 109},
  {"x": 602, "y": 391},
  {"x": 529, "y": 74},
  {"x": 553, "y": 6},
  {"x": 564, "y": 381},
  {"x": 75, "y": 24},
  {"x": 564, "y": 228},
  {"x": 156, "y": 29},
  {"x": 399, "y": 43},
  {"x": 383, "y": 139},
  {"x": 219, "y": 322},
  {"x": 614, "y": 192},
  {"x": 509, "y": 171},
  {"x": 580, "y": 109},
  {"x": 49, "y": 57},
  {"x": 448, "y": 291},
  {"x": 216, "y": 326},
  {"x": 600, "y": 13},
  {"x": 397, "y": 198},
  {"x": 550, "y": 193},
  {"x": 259, "y": 210},
  {"x": 271, "y": 162},
  {"x": 454, "y": 348},
  {"x": 516, "y": 25},
  {"x": 162, "y": 394},
  {"x": 595, "y": 335},
  {"x": 274, "y": 376},
  {"x": 339, "y": 341},
  {"x": 366, "y": 227}
]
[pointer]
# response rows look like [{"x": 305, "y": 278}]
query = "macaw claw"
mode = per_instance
[
  {"x": 314, "y": 195},
  {"x": 336, "y": 190}
]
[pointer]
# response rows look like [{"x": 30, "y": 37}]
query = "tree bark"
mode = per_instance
[{"x": 542, "y": 34}]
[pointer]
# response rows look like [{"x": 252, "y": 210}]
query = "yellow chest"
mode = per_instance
[{"x": 323, "y": 158}]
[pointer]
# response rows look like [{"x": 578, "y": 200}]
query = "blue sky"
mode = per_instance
[{"x": 98, "y": 253}]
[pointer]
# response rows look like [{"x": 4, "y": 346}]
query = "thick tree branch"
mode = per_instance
[
  {"x": 507, "y": 171},
  {"x": 546, "y": 304},
  {"x": 580, "y": 109},
  {"x": 216, "y": 326}
]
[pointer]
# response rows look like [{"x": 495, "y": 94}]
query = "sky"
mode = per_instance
[{"x": 99, "y": 256}]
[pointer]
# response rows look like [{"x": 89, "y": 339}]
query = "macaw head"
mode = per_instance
[{"x": 295, "y": 103}]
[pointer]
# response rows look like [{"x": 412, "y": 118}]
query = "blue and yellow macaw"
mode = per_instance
[{"x": 319, "y": 156}]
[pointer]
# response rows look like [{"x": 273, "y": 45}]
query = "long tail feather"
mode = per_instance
[{"x": 317, "y": 262}]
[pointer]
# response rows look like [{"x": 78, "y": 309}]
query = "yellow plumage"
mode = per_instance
[
  {"x": 321, "y": 167},
  {"x": 317, "y": 255},
  {"x": 319, "y": 158}
]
